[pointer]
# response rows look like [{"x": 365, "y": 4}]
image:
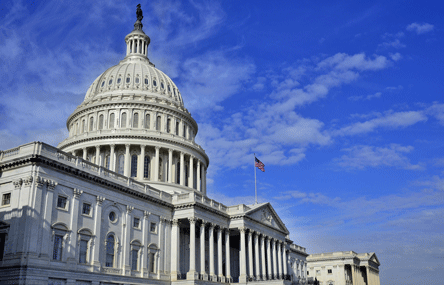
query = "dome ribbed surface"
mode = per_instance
[{"x": 134, "y": 77}]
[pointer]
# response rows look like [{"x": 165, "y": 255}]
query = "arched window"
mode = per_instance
[
  {"x": 84, "y": 238},
  {"x": 135, "y": 250},
  {"x": 60, "y": 231},
  {"x": 178, "y": 172},
  {"x": 152, "y": 250},
  {"x": 109, "y": 261},
  {"x": 184, "y": 131},
  {"x": 195, "y": 176},
  {"x": 123, "y": 123},
  {"x": 160, "y": 169},
  {"x": 147, "y": 121},
  {"x": 168, "y": 125},
  {"x": 76, "y": 129},
  {"x": 133, "y": 165},
  {"x": 107, "y": 158},
  {"x": 136, "y": 120},
  {"x": 177, "y": 128},
  {"x": 121, "y": 164},
  {"x": 91, "y": 124},
  {"x": 112, "y": 117},
  {"x": 158, "y": 123},
  {"x": 101, "y": 122},
  {"x": 146, "y": 167},
  {"x": 82, "y": 129}
]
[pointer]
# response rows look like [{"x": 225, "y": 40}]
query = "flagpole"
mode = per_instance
[{"x": 255, "y": 184}]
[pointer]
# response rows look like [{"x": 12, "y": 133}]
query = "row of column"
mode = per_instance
[
  {"x": 273, "y": 257},
  {"x": 200, "y": 173},
  {"x": 135, "y": 45},
  {"x": 372, "y": 276}
]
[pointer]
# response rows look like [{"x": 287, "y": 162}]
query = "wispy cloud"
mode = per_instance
[
  {"x": 420, "y": 28},
  {"x": 363, "y": 156},
  {"x": 390, "y": 120}
]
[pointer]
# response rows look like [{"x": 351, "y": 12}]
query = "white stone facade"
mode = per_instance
[
  {"x": 123, "y": 199},
  {"x": 343, "y": 268}
]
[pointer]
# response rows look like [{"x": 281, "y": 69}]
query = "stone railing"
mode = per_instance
[
  {"x": 199, "y": 198},
  {"x": 45, "y": 150},
  {"x": 298, "y": 248}
]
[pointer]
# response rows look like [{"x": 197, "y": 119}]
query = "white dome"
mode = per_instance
[{"x": 135, "y": 75}]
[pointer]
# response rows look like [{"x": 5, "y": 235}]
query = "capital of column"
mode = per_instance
[
  {"x": 192, "y": 220},
  {"x": 146, "y": 214},
  {"x": 157, "y": 148},
  {"x": 242, "y": 229},
  {"x": 250, "y": 233},
  {"x": 127, "y": 145},
  {"x": 129, "y": 209},
  {"x": 77, "y": 193},
  {"x": 99, "y": 200},
  {"x": 170, "y": 150},
  {"x": 176, "y": 222},
  {"x": 112, "y": 146}
]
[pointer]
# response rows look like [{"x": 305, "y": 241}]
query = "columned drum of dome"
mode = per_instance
[{"x": 133, "y": 121}]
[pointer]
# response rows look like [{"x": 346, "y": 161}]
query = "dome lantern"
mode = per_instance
[{"x": 137, "y": 41}]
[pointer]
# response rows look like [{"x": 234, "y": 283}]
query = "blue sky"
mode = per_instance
[{"x": 342, "y": 102}]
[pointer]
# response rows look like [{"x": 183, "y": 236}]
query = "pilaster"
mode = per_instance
[
  {"x": 243, "y": 257},
  {"x": 192, "y": 274},
  {"x": 97, "y": 222}
]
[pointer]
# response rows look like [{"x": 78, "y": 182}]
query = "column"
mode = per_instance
[
  {"x": 204, "y": 180},
  {"x": 126, "y": 168},
  {"x": 112, "y": 162},
  {"x": 219, "y": 256},
  {"x": 353, "y": 273},
  {"x": 242, "y": 257},
  {"x": 170, "y": 165},
  {"x": 84, "y": 153},
  {"x": 264, "y": 270},
  {"x": 95, "y": 248},
  {"x": 227, "y": 255},
  {"x": 257, "y": 258},
  {"x": 198, "y": 176},
  {"x": 72, "y": 244},
  {"x": 98, "y": 160},
  {"x": 190, "y": 179},
  {"x": 141, "y": 162},
  {"x": 367, "y": 271},
  {"x": 279, "y": 259},
  {"x": 161, "y": 252},
  {"x": 126, "y": 233},
  {"x": 250, "y": 254},
  {"x": 156, "y": 165},
  {"x": 182, "y": 174},
  {"x": 211, "y": 244},
  {"x": 192, "y": 274},
  {"x": 270, "y": 275},
  {"x": 273, "y": 244},
  {"x": 134, "y": 46},
  {"x": 285, "y": 261},
  {"x": 143, "y": 261},
  {"x": 46, "y": 228},
  {"x": 175, "y": 247},
  {"x": 202, "y": 250}
]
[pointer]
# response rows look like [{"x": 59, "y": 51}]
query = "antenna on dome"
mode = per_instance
[{"x": 138, "y": 24}]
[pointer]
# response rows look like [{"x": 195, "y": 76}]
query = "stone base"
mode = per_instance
[
  {"x": 213, "y": 278},
  {"x": 222, "y": 279},
  {"x": 192, "y": 275}
]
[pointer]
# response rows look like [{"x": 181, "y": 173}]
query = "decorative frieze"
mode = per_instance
[{"x": 17, "y": 183}]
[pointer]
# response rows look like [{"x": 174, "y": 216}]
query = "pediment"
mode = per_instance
[
  {"x": 265, "y": 214},
  {"x": 375, "y": 259}
]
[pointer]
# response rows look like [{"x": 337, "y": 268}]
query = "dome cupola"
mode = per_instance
[{"x": 133, "y": 122}]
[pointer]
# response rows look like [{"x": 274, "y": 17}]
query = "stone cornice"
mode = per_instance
[
  {"x": 203, "y": 207},
  {"x": 102, "y": 181},
  {"x": 243, "y": 216}
]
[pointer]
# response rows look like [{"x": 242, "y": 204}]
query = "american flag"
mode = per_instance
[{"x": 259, "y": 164}]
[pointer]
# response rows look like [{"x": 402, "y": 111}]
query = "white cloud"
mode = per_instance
[
  {"x": 390, "y": 120},
  {"x": 420, "y": 28},
  {"x": 396, "y": 43},
  {"x": 437, "y": 110},
  {"x": 363, "y": 156},
  {"x": 368, "y": 97},
  {"x": 395, "y": 56}
]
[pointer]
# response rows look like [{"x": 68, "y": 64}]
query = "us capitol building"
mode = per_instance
[{"x": 123, "y": 199}]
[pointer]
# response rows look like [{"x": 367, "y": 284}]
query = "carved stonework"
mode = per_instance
[
  {"x": 146, "y": 214},
  {"x": 51, "y": 185},
  {"x": 39, "y": 181},
  {"x": 129, "y": 209},
  {"x": 77, "y": 193},
  {"x": 17, "y": 183},
  {"x": 266, "y": 216},
  {"x": 175, "y": 222},
  {"x": 192, "y": 220},
  {"x": 242, "y": 229},
  {"x": 27, "y": 181}
]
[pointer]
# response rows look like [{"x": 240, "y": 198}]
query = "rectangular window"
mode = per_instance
[
  {"x": 61, "y": 202},
  {"x": 136, "y": 223},
  {"x": 329, "y": 271},
  {"x": 83, "y": 251},
  {"x": 86, "y": 209},
  {"x": 134, "y": 259},
  {"x": 153, "y": 227},
  {"x": 6, "y": 199},
  {"x": 58, "y": 246},
  {"x": 307, "y": 273}
]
